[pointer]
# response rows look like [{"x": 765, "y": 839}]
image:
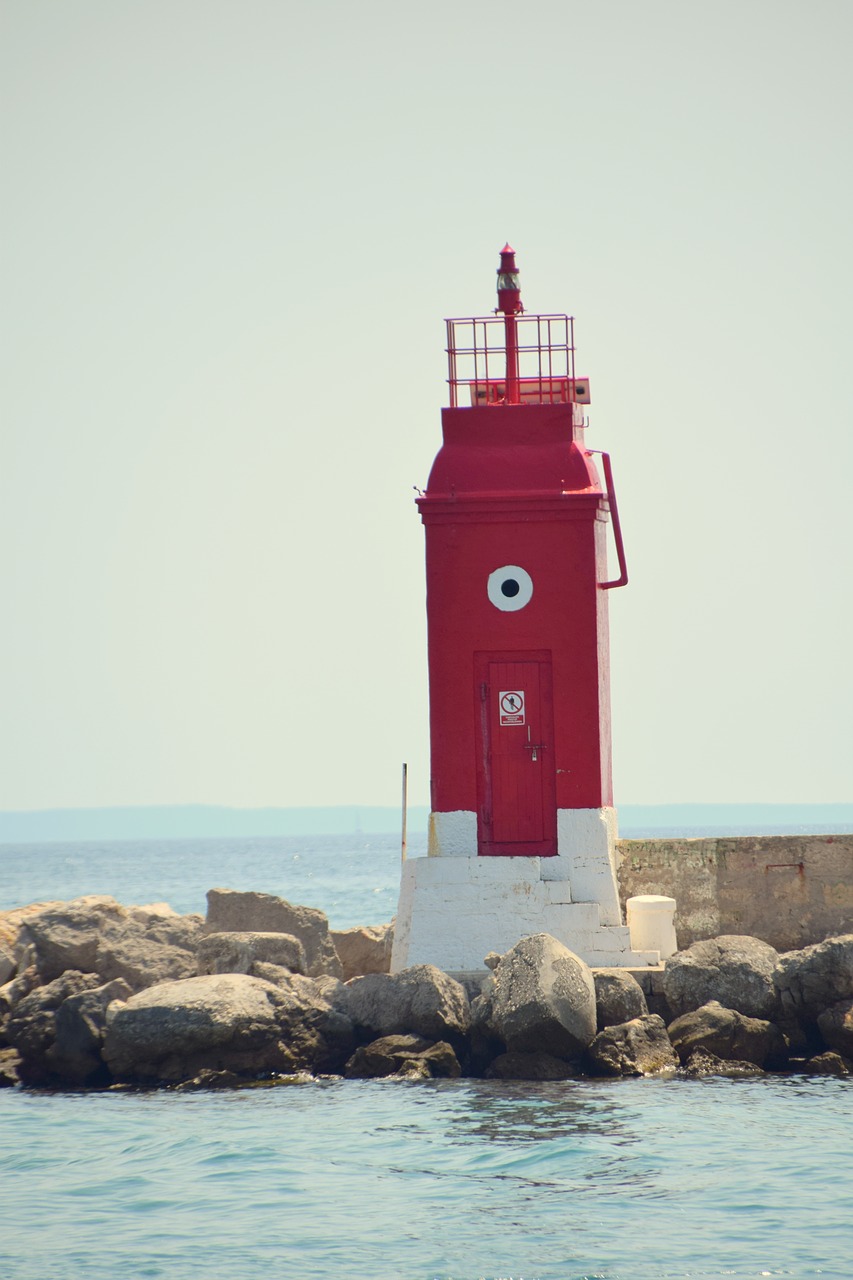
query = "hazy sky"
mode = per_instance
[{"x": 231, "y": 231}]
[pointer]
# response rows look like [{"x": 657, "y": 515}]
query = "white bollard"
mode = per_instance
[{"x": 650, "y": 919}]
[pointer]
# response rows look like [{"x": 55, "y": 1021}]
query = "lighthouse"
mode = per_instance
[{"x": 516, "y": 515}]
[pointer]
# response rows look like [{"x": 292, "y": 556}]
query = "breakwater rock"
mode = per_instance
[{"x": 98, "y": 995}]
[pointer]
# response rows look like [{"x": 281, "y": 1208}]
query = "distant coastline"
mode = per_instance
[{"x": 174, "y": 822}]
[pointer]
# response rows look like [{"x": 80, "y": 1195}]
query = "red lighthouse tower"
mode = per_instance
[{"x": 522, "y": 825}]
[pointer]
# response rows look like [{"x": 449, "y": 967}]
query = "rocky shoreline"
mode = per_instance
[{"x": 97, "y": 995}]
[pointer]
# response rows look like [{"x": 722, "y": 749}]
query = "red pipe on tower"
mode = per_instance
[{"x": 509, "y": 302}]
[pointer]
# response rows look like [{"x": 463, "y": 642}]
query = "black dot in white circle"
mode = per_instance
[{"x": 510, "y": 588}]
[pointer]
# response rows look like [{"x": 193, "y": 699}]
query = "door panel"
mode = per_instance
[{"x": 517, "y": 811}]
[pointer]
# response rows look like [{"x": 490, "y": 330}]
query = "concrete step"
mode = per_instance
[{"x": 620, "y": 959}]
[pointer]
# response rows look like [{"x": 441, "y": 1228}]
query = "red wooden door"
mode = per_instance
[{"x": 517, "y": 796}]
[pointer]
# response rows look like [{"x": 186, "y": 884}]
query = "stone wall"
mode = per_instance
[{"x": 788, "y": 890}]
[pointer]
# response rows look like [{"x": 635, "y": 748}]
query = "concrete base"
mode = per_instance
[
  {"x": 650, "y": 918},
  {"x": 456, "y": 907}
]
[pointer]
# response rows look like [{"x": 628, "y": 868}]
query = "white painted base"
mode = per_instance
[
  {"x": 586, "y": 838},
  {"x": 452, "y": 835},
  {"x": 456, "y": 907}
]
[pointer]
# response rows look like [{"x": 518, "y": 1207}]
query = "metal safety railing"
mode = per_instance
[{"x": 542, "y": 360}]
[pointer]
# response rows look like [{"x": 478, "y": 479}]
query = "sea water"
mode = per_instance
[
  {"x": 354, "y": 879},
  {"x": 380, "y": 1180}
]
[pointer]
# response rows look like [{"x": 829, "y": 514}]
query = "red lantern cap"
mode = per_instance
[{"x": 507, "y": 259}]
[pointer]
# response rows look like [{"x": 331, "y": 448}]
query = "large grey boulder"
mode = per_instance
[
  {"x": 154, "y": 944},
  {"x": 364, "y": 950},
  {"x": 317, "y": 1034},
  {"x": 701, "y": 1064},
  {"x": 727, "y": 1034},
  {"x": 639, "y": 1047},
  {"x": 618, "y": 998},
  {"x": 733, "y": 969},
  {"x": 332, "y": 990},
  {"x": 530, "y": 1066},
  {"x": 31, "y": 1025},
  {"x": 161, "y": 924},
  {"x": 232, "y": 911},
  {"x": 405, "y": 1056},
  {"x": 96, "y": 934},
  {"x": 12, "y": 993},
  {"x": 836, "y": 1027},
  {"x": 825, "y": 1064},
  {"x": 9, "y": 1063},
  {"x": 68, "y": 935},
  {"x": 816, "y": 977},
  {"x": 277, "y": 974},
  {"x": 81, "y": 1020},
  {"x": 240, "y": 952},
  {"x": 175, "y": 1029},
  {"x": 420, "y": 1001},
  {"x": 541, "y": 999},
  {"x": 223, "y": 1022},
  {"x": 11, "y": 925},
  {"x": 132, "y": 955},
  {"x": 484, "y": 1043}
]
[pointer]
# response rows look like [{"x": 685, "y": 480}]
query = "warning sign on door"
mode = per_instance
[{"x": 511, "y": 703}]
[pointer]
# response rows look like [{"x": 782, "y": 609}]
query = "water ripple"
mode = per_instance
[{"x": 642, "y": 1180}]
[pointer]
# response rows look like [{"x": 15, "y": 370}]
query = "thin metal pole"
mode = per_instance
[
  {"x": 405, "y": 811},
  {"x": 511, "y": 344}
]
